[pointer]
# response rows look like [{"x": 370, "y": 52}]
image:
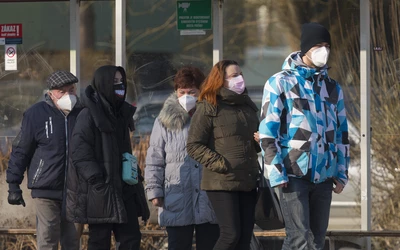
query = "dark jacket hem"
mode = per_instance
[
  {"x": 47, "y": 194},
  {"x": 228, "y": 186}
]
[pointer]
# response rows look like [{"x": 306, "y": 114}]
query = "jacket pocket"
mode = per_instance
[
  {"x": 99, "y": 201},
  {"x": 174, "y": 198},
  {"x": 296, "y": 161},
  {"x": 38, "y": 172}
]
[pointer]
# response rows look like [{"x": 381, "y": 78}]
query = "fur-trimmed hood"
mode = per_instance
[{"x": 173, "y": 116}]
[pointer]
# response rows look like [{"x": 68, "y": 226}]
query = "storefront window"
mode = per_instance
[
  {"x": 385, "y": 116},
  {"x": 155, "y": 51},
  {"x": 97, "y": 32},
  {"x": 260, "y": 34},
  {"x": 45, "y": 48}
]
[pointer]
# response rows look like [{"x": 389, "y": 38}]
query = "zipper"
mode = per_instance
[
  {"x": 51, "y": 125},
  {"x": 66, "y": 144},
  {"x": 66, "y": 151},
  {"x": 38, "y": 171},
  {"x": 47, "y": 129}
]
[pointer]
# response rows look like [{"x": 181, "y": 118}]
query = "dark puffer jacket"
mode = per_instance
[
  {"x": 100, "y": 137},
  {"x": 221, "y": 138}
]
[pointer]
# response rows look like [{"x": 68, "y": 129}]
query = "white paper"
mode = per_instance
[
  {"x": 10, "y": 57},
  {"x": 192, "y": 32}
]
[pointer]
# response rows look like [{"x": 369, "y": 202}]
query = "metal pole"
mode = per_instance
[
  {"x": 331, "y": 243},
  {"x": 120, "y": 33},
  {"x": 218, "y": 32},
  {"x": 365, "y": 118},
  {"x": 74, "y": 41}
]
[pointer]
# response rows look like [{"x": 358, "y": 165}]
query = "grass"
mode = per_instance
[
  {"x": 5, "y": 154},
  {"x": 139, "y": 149},
  {"x": 17, "y": 242}
]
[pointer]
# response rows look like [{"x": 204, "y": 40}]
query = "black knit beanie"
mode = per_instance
[{"x": 313, "y": 34}]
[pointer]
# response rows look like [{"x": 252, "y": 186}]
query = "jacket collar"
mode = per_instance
[
  {"x": 102, "y": 113},
  {"x": 294, "y": 63},
  {"x": 232, "y": 98},
  {"x": 173, "y": 116},
  {"x": 229, "y": 97}
]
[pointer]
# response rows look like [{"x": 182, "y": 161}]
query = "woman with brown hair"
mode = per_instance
[
  {"x": 221, "y": 138},
  {"x": 173, "y": 178}
]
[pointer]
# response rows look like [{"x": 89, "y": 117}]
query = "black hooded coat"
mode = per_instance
[{"x": 95, "y": 189}]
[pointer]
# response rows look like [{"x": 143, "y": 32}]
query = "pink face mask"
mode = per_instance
[{"x": 236, "y": 84}]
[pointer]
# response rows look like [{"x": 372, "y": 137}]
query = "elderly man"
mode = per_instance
[{"x": 42, "y": 147}]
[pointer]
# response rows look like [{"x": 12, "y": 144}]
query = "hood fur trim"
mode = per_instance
[{"x": 173, "y": 116}]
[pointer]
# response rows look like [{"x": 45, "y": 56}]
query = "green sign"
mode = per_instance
[{"x": 193, "y": 15}]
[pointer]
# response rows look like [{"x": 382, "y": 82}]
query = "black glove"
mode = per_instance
[{"x": 15, "y": 198}]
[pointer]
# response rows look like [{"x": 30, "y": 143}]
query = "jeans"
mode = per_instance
[
  {"x": 127, "y": 235},
  {"x": 51, "y": 228},
  {"x": 305, "y": 207},
  {"x": 180, "y": 238},
  {"x": 235, "y": 216}
]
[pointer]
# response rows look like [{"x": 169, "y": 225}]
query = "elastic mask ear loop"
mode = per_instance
[
  {"x": 308, "y": 56},
  {"x": 52, "y": 95}
]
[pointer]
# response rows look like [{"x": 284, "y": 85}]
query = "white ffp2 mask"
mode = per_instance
[
  {"x": 67, "y": 102},
  {"x": 188, "y": 102},
  {"x": 320, "y": 56}
]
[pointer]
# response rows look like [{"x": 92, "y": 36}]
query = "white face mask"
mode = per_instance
[
  {"x": 188, "y": 102},
  {"x": 67, "y": 102},
  {"x": 237, "y": 84},
  {"x": 320, "y": 56}
]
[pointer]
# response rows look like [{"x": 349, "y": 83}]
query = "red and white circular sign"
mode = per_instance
[{"x": 10, "y": 52}]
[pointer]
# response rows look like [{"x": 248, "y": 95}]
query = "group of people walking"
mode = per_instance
[{"x": 202, "y": 167}]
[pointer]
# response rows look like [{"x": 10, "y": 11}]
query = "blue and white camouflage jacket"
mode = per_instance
[{"x": 303, "y": 129}]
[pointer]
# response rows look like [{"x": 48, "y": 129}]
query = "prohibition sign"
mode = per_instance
[{"x": 10, "y": 52}]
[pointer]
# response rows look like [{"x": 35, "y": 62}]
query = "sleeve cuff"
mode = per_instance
[
  {"x": 343, "y": 181},
  {"x": 154, "y": 193},
  {"x": 275, "y": 183},
  {"x": 14, "y": 187}
]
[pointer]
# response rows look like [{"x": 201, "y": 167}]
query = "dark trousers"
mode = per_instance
[
  {"x": 180, "y": 238},
  {"x": 127, "y": 234},
  {"x": 235, "y": 216},
  {"x": 305, "y": 207}
]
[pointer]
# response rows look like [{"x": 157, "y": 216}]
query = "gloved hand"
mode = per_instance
[{"x": 15, "y": 198}]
